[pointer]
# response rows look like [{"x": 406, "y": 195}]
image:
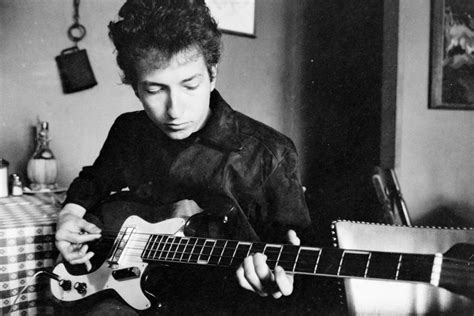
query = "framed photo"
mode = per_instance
[
  {"x": 234, "y": 16},
  {"x": 452, "y": 55}
]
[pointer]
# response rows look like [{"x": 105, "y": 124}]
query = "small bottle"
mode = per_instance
[
  {"x": 42, "y": 168},
  {"x": 17, "y": 186}
]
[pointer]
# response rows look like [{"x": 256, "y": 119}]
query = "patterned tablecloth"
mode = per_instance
[{"x": 27, "y": 227}]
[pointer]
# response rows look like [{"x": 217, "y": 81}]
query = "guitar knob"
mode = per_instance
[
  {"x": 80, "y": 287},
  {"x": 65, "y": 284}
]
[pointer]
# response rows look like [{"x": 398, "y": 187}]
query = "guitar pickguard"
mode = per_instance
[{"x": 129, "y": 288}]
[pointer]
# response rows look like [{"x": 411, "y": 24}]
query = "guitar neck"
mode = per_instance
[{"x": 297, "y": 259}]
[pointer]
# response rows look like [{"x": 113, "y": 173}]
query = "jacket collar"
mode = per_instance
[{"x": 222, "y": 129}]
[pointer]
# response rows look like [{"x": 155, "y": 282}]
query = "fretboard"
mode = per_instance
[{"x": 297, "y": 259}]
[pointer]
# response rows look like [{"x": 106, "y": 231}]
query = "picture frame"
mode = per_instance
[
  {"x": 452, "y": 55},
  {"x": 234, "y": 16}
]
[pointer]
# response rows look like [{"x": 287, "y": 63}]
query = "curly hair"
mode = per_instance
[{"x": 150, "y": 32}]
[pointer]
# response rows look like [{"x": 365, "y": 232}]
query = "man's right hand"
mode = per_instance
[{"x": 72, "y": 234}]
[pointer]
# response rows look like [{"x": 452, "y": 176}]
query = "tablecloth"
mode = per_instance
[{"x": 27, "y": 227}]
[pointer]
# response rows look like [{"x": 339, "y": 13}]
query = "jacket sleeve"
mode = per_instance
[
  {"x": 285, "y": 201},
  {"x": 107, "y": 173}
]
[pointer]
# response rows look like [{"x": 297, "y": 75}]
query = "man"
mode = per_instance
[{"x": 186, "y": 148}]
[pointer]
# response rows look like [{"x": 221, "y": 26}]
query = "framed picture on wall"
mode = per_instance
[
  {"x": 234, "y": 16},
  {"x": 452, "y": 55}
]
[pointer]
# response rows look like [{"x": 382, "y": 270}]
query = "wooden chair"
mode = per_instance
[{"x": 390, "y": 196}]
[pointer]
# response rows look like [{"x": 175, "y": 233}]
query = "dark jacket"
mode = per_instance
[{"x": 233, "y": 156}]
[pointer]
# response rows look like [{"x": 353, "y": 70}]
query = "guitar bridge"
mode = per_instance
[{"x": 119, "y": 245}]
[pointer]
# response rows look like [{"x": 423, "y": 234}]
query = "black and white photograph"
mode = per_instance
[{"x": 236, "y": 157}]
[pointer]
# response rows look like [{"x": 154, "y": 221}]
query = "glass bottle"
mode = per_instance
[
  {"x": 42, "y": 168},
  {"x": 17, "y": 186}
]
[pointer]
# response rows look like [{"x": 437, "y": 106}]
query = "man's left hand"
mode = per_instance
[{"x": 255, "y": 275}]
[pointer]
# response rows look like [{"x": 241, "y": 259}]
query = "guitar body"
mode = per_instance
[{"x": 128, "y": 288}]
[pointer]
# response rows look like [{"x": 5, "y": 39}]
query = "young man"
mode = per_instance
[{"x": 185, "y": 149}]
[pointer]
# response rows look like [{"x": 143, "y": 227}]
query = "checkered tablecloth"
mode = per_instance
[{"x": 27, "y": 227}]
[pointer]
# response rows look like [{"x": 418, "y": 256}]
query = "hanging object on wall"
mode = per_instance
[{"x": 74, "y": 67}]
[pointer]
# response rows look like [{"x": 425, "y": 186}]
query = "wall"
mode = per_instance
[
  {"x": 252, "y": 76},
  {"x": 434, "y": 148}
]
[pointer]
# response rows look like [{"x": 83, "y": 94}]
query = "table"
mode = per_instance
[{"x": 27, "y": 227}]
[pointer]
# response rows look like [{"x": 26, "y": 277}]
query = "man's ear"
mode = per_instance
[{"x": 213, "y": 77}]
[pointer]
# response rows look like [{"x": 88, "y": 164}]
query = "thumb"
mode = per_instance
[{"x": 293, "y": 238}]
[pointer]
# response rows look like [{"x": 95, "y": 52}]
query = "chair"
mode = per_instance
[
  {"x": 390, "y": 196},
  {"x": 376, "y": 297}
]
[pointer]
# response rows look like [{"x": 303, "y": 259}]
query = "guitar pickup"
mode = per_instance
[{"x": 126, "y": 273}]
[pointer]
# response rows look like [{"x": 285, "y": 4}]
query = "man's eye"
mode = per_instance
[
  {"x": 154, "y": 90},
  {"x": 193, "y": 87}
]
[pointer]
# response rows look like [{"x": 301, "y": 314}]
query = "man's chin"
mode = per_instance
[{"x": 178, "y": 135}]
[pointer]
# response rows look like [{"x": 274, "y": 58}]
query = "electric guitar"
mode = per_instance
[{"x": 140, "y": 244}]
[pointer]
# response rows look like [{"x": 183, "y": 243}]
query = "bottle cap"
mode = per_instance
[{"x": 3, "y": 163}]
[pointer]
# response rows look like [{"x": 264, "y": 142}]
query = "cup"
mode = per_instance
[{"x": 3, "y": 178}]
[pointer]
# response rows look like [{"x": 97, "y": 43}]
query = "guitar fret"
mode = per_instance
[
  {"x": 307, "y": 259},
  {"x": 164, "y": 249},
  {"x": 296, "y": 260},
  {"x": 188, "y": 250},
  {"x": 413, "y": 267},
  {"x": 241, "y": 252},
  {"x": 317, "y": 260},
  {"x": 340, "y": 262},
  {"x": 169, "y": 244},
  {"x": 154, "y": 247},
  {"x": 147, "y": 249},
  {"x": 354, "y": 263},
  {"x": 367, "y": 265},
  {"x": 206, "y": 252},
  {"x": 228, "y": 253},
  {"x": 174, "y": 247},
  {"x": 272, "y": 252},
  {"x": 196, "y": 251},
  {"x": 182, "y": 248},
  {"x": 217, "y": 252},
  {"x": 278, "y": 259},
  {"x": 383, "y": 265},
  {"x": 398, "y": 266},
  {"x": 287, "y": 256},
  {"x": 159, "y": 247},
  {"x": 329, "y": 262}
]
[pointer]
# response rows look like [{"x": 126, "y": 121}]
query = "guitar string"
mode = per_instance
[
  {"x": 375, "y": 272},
  {"x": 309, "y": 248},
  {"x": 166, "y": 248},
  {"x": 315, "y": 249},
  {"x": 313, "y": 269}
]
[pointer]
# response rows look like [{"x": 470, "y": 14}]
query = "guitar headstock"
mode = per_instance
[{"x": 457, "y": 274}]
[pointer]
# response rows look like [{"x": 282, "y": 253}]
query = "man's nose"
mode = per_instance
[{"x": 175, "y": 106}]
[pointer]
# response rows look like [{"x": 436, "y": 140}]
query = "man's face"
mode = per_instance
[{"x": 176, "y": 96}]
